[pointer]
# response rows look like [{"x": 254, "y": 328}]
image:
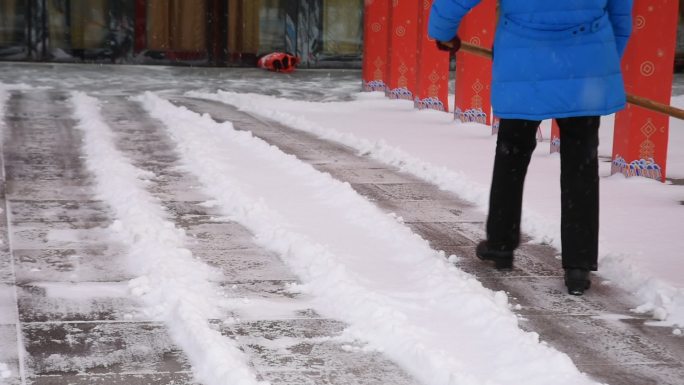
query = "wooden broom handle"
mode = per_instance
[{"x": 640, "y": 101}]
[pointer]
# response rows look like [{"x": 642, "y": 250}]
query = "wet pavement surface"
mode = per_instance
[{"x": 66, "y": 314}]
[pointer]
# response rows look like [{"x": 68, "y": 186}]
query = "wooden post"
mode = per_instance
[
  {"x": 640, "y": 141},
  {"x": 375, "y": 45},
  {"x": 403, "y": 48},
  {"x": 473, "y": 73},
  {"x": 432, "y": 87}
]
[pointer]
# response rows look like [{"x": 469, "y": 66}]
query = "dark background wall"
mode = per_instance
[{"x": 324, "y": 33}]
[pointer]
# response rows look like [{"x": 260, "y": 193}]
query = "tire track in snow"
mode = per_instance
[
  {"x": 176, "y": 287},
  {"x": 436, "y": 321}
]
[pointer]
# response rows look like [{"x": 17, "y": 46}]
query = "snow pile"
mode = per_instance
[
  {"x": 5, "y": 371},
  {"x": 176, "y": 287},
  {"x": 640, "y": 219},
  {"x": 361, "y": 265}
]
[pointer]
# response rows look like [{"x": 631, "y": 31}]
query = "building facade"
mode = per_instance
[{"x": 323, "y": 33}]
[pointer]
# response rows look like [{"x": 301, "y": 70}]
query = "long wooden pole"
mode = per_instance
[{"x": 631, "y": 99}]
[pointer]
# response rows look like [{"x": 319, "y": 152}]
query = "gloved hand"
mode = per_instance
[{"x": 452, "y": 46}]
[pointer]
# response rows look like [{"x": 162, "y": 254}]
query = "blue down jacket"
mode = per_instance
[{"x": 552, "y": 58}]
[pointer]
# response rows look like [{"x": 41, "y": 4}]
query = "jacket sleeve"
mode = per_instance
[
  {"x": 620, "y": 13},
  {"x": 445, "y": 17}
]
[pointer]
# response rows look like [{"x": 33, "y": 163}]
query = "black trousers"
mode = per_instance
[{"x": 579, "y": 187}]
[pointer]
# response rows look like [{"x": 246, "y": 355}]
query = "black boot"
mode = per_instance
[
  {"x": 577, "y": 281},
  {"x": 503, "y": 259}
]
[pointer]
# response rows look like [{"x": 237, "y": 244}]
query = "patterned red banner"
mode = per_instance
[
  {"x": 474, "y": 73},
  {"x": 376, "y": 45},
  {"x": 403, "y": 49},
  {"x": 641, "y": 136},
  {"x": 432, "y": 88}
]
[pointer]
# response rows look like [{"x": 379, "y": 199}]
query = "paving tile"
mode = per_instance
[
  {"x": 366, "y": 175},
  {"x": 100, "y": 348},
  {"x": 661, "y": 334},
  {"x": 248, "y": 264},
  {"x": 181, "y": 209},
  {"x": 86, "y": 301},
  {"x": 305, "y": 351},
  {"x": 8, "y": 305},
  {"x": 267, "y": 300},
  {"x": 60, "y": 214},
  {"x": 638, "y": 374},
  {"x": 50, "y": 173},
  {"x": 219, "y": 236},
  {"x": 102, "y": 264},
  {"x": 175, "y": 188},
  {"x": 263, "y": 289},
  {"x": 274, "y": 329},
  {"x": 402, "y": 192},
  {"x": 179, "y": 378},
  {"x": 44, "y": 237},
  {"x": 524, "y": 265},
  {"x": 368, "y": 374},
  {"x": 316, "y": 155},
  {"x": 548, "y": 296},
  {"x": 611, "y": 341},
  {"x": 9, "y": 353},
  {"x": 441, "y": 234},
  {"x": 62, "y": 189},
  {"x": 431, "y": 211}
]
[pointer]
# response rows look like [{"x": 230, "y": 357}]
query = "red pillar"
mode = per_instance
[
  {"x": 432, "y": 88},
  {"x": 375, "y": 45},
  {"x": 640, "y": 141},
  {"x": 555, "y": 137},
  {"x": 474, "y": 73},
  {"x": 403, "y": 49}
]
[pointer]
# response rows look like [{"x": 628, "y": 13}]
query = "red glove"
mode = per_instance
[{"x": 452, "y": 46}]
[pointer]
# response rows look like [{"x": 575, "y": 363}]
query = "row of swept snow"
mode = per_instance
[
  {"x": 176, "y": 288},
  {"x": 361, "y": 265},
  {"x": 641, "y": 220}
]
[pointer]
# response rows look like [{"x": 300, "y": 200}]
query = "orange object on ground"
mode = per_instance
[
  {"x": 641, "y": 136},
  {"x": 278, "y": 62}
]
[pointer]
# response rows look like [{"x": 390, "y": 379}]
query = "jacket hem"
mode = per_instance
[{"x": 559, "y": 115}]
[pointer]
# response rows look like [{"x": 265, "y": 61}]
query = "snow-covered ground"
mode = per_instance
[
  {"x": 361, "y": 265},
  {"x": 641, "y": 219}
]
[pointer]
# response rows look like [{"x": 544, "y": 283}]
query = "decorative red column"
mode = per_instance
[
  {"x": 432, "y": 88},
  {"x": 555, "y": 137},
  {"x": 375, "y": 45},
  {"x": 640, "y": 142},
  {"x": 403, "y": 49},
  {"x": 474, "y": 73}
]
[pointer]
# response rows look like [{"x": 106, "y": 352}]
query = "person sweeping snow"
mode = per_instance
[{"x": 552, "y": 60}]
